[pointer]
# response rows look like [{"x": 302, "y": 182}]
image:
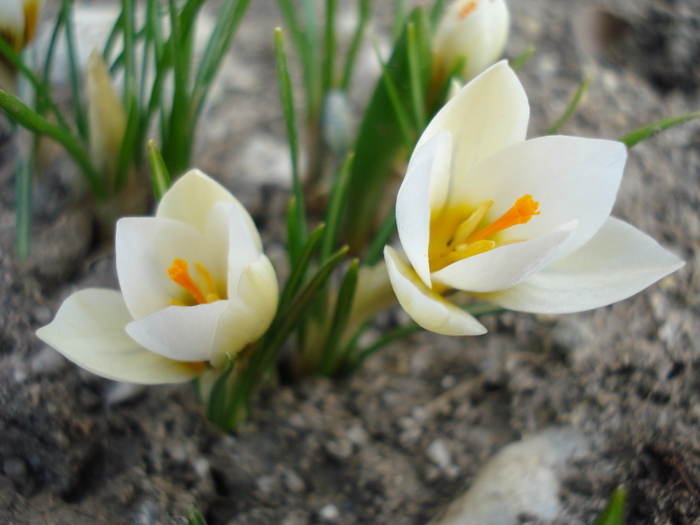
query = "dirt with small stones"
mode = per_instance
[{"x": 76, "y": 449}]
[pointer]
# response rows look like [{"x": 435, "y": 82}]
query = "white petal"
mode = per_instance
[
  {"x": 427, "y": 308},
  {"x": 507, "y": 265},
  {"x": 146, "y": 248},
  {"x": 244, "y": 247},
  {"x": 89, "y": 330},
  {"x": 572, "y": 179},
  {"x": 192, "y": 197},
  {"x": 250, "y": 313},
  {"x": 183, "y": 333},
  {"x": 490, "y": 113},
  {"x": 12, "y": 23},
  {"x": 427, "y": 176},
  {"x": 618, "y": 262}
]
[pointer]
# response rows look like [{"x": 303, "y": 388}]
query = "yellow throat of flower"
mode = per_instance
[
  {"x": 457, "y": 232},
  {"x": 179, "y": 272}
]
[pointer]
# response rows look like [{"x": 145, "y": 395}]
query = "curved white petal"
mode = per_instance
[
  {"x": 250, "y": 313},
  {"x": 244, "y": 247},
  {"x": 146, "y": 248},
  {"x": 507, "y": 265},
  {"x": 427, "y": 308},
  {"x": 572, "y": 178},
  {"x": 617, "y": 262},
  {"x": 490, "y": 113},
  {"x": 427, "y": 176},
  {"x": 192, "y": 197},
  {"x": 89, "y": 330},
  {"x": 183, "y": 333}
]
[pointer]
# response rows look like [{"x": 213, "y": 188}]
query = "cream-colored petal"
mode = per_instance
[
  {"x": 572, "y": 178},
  {"x": 146, "y": 248},
  {"x": 251, "y": 311},
  {"x": 192, "y": 197},
  {"x": 505, "y": 266},
  {"x": 183, "y": 333},
  {"x": 479, "y": 37},
  {"x": 490, "y": 113},
  {"x": 12, "y": 23},
  {"x": 89, "y": 329},
  {"x": 427, "y": 176},
  {"x": 617, "y": 262},
  {"x": 427, "y": 308}
]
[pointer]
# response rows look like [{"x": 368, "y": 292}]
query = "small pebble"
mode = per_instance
[
  {"x": 329, "y": 513},
  {"x": 293, "y": 481},
  {"x": 340, "y": 450},
  {"x": 439, "y": 454},
  {"x": 357, "y": 435}
]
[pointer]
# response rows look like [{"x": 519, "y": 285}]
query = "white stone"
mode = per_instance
[{"x": 520, "y": 479}]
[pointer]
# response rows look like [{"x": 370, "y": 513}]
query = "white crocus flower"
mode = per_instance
[
  {"x": 522, "y": 224},
  {"x": 195, "y": 287},
  {"x": 475, "y": 31},
  {"x": 18, "y": 21}
]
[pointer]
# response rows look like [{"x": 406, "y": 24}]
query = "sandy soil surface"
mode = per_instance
[{"x": 76, "y": 449}]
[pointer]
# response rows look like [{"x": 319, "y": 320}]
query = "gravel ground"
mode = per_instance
[{"x": 410, "y": 431}]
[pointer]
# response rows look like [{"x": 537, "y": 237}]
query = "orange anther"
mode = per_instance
[
  {"x": 467, "y": 10},
  {"x": 521, "y": 212},
  {"x": 179, "y": 273}
]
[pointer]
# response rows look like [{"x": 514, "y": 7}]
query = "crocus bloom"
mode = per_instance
[
  {"x": 475, "y": 31},
  {"x": 195, "y": 287},
  {"x": 106, "y": 116},
  {"x": 18, "y": 20},
  {"x": 522, "y": 224}
]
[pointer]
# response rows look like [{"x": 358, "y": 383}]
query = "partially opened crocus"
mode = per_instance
[
  {"x": 18, "y": 21},
  {"x": 471, "y": 32},
  {"x": 195, "y": 288},
  {"x": 523, "y": 224}
]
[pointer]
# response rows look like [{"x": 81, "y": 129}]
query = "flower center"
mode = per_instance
[
  {"x": 179, "y": 272},
  {"x": 467, "y": 10},
  {"x": 455, "y": 232}
]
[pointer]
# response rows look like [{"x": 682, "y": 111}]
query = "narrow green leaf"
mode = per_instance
[
  {"x": 571, "y": 107},
  {"x": 23, "y": 207},
  {"x": 436, "y": 13},
  {"x": 113, "y": 36},
  {"x": 614, "y": 512},
  {"x": 383, "y": 237},
  {"x": 128, "y": 34},
  {"x": 343, "y": 306},
  {"x": 336, "y": 205},
  {"x": 329, "y": 47},
  {"x": 416, "y": 77},
  {"x": 363, "y": 15},
  {"x": 381, "y": 137},
  {"x": 294, "y": 242},
  {"x": 518, "y": 62},
  {"x": 160, "y": 178},
  {"x": 399, "y": 21},
  {"x": 219, "y": 399},
  {"x": 396, "y": 103},
  {"x": 76, "y": 82},
  {"x": 28, "y": 118},
  {"x": 230, "y": 15},
  {"x": 194, "y": 517},
  {"x": 647, "y": 132},
  {"x": 313, "y": 54},
  {"x": 126, "y": 152},
  {"x": 286, "y": 95},
  {"x": 296, "y": 278},
  {"x": 43, "y": 93}
]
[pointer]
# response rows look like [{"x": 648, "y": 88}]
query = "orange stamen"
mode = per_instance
[
  {"x": 466, "y": 10},
  {"x": 521, "y": 212},
  {"x": 179, "y": 273},
  {"x": 212, "y": 294}
]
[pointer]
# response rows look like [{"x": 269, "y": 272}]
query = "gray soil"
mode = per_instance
[{"x": 76, "y": 449}]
